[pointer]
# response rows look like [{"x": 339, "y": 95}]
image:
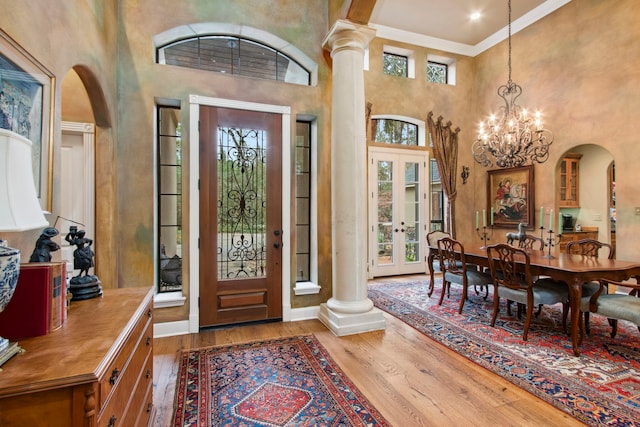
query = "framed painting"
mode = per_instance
[
  {"x": 26, "y": 94},
  {"x": 510, "y": 196}
]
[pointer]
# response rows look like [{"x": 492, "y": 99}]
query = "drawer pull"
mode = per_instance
[
  {"x": 148, "y": 341},
  {"x": 114, "y": 376},
  {"x": 149, "y": 406},
  {"x": 148, "y": 374},
  {"x": 149, "y": 312},
  {"x": 112, "y": 421}
]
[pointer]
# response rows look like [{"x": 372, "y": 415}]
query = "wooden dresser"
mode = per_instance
[{"x": 96, "y": 370}]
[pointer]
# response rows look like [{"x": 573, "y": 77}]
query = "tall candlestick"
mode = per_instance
[
  {"x": 551, "y": 219},
  {"x": 559, "y": 222},
  {"x": 541, "y": 216},
  {"x": 477, "y": 219},
  {"x": 484, "y": 218}
]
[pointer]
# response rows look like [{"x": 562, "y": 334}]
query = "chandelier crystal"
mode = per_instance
[{"x": 512, "y": 138}]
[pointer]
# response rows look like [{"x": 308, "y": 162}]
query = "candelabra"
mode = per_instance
[
  {"x": 484, "y": 235},
  {"x": 549, "y": 242}
]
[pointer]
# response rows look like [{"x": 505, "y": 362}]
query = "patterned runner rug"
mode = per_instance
[
  {"x": 283, "y": 382},
  {"x": 601, "y": 387}
]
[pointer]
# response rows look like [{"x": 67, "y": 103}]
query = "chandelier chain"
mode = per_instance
[{"x": 510, "y": 81}]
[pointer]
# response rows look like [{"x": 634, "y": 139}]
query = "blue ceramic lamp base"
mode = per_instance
[{"x": 9, "y": 271}]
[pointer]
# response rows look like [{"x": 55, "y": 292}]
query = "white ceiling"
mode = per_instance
[{"x": 446, "y": 24}]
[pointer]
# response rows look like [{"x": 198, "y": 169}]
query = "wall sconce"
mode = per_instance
[{"x": 465, "y": 174}]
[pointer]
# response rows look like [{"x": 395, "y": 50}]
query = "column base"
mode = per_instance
[{"x": 348, "y": 324}]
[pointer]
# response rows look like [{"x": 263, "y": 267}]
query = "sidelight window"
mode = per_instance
[{"x": 169, "y": 205}]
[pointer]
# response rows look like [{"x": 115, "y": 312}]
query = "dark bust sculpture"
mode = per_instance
[{"x": 45, "y": 245}]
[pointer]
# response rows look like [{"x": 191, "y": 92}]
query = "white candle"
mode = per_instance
[
  {"x": 551, "y": 219},
  {"x": 484, "y": 218}
]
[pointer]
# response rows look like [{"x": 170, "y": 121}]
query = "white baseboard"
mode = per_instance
[
  {"x": 181, "y": 327},
  {"x": 169, "y": 329}
]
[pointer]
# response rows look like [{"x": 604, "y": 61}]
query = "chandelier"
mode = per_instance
[{"x": 513, "y": 137}]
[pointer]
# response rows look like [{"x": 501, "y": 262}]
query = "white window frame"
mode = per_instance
[
  {"x": 451, "y": 67},
  {"x": 409, "y": 54}
]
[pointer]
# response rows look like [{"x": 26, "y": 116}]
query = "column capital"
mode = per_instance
[{"x": 346, "y": 34}]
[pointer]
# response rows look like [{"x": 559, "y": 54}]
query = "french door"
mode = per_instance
[
  {"x": 240, "y": 216},
  {"x": 398, "y": 185}
]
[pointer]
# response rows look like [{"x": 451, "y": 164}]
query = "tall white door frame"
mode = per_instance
[
  {"x": 77, "y": 184},
  {"x": 393, "y": 258}
]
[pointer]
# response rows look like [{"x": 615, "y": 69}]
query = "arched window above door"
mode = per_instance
[
  {"x": 398, "y": 130},
  {"x": 235, "y": 49}
]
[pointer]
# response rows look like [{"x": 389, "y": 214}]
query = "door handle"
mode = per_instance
[{"x": 276, "y": 245}]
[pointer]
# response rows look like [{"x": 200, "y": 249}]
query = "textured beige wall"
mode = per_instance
[
  {"x": 62, "y": 34},
  {"x": 581, "y": 67},
  {"x": 303, "y": 23}
]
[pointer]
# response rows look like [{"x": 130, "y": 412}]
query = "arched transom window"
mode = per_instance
[{"x": 231, "y": 53}]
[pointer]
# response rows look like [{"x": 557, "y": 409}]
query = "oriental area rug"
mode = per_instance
[
  {"x": 601, "y": 387},
  {"x": 284, "y": 382}
]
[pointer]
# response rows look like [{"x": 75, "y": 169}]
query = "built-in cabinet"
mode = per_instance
[
  {"x": 569, "y": 181},
  {"x": 95, "y": 370},
  {"x": 571, "y": 236}
]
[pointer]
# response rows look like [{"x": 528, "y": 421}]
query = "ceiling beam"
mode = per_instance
[{"x": 360, "y": 11}]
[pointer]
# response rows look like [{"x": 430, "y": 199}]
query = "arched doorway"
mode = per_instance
[{"x": 592, "y": 208}]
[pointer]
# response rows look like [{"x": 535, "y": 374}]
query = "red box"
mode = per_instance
[{"x": 39, "y": 302}]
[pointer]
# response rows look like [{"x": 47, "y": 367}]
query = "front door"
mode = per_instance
[
  {"x": 397, "y": 211},
  {"x": 240, "y": 216}
]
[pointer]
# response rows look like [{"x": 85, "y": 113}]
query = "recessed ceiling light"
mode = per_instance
[{"x": 475, "y": 16}]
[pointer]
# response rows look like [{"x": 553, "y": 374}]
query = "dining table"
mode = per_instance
[{"x": 572, "y": 269}]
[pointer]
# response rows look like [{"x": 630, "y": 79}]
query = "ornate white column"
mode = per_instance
[{"x": 349, "y": 311}]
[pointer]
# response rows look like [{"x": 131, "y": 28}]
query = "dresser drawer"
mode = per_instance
[
  {"x": 137, "y": 412},
  {"x": 140, "y": 335},
  {"x": 125, "y": 392}
]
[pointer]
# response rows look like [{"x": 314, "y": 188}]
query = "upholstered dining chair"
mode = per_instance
[
  {"x": 617, "y": 306},
  {"x": 511, "y": 273},
  {"x": 432, "y": 241},
  {"x": 456, "y": 270},
  {"x": 528, "y": 243},
  {"x": 592, "y": 248}
]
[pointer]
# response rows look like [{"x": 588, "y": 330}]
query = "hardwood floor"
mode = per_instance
[{"x": 411, "y": 379}]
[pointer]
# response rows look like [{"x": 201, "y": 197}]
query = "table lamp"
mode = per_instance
[{"x": 19, "y": 211}]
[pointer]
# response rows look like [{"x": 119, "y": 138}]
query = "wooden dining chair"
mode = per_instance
[
  {"x": 511, "y": 274},
  {"x": 531, "y": 243},
  {"x": 432, "y": 257},
  {"x": 592, "y": 248},
  {"x": 589, "y": 247},
  {"x": 456, "y": 270},
  {"x": 528, "y": 243},
  {"x": 616, "y": 306}
]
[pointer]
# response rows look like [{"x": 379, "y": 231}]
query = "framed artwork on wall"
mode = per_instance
[
  {"x": 510, "y": 196},
  {"x": 26, "y": 96}
]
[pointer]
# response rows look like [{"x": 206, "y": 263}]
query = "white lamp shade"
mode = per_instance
[{"x": 19, "y": 206}]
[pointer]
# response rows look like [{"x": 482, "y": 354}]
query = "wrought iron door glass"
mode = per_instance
[{"x": 241, "y": 203}]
